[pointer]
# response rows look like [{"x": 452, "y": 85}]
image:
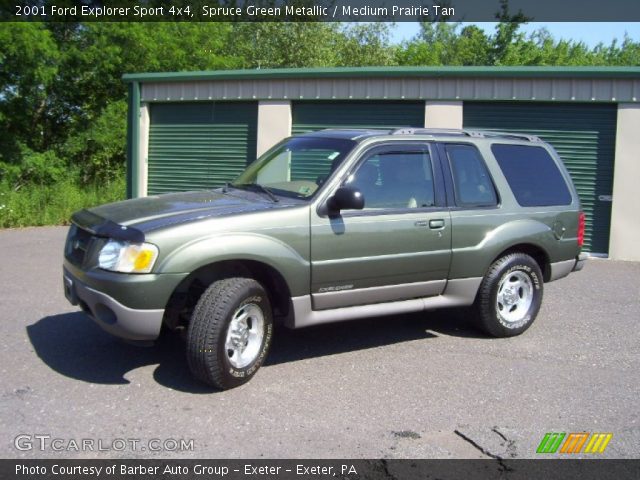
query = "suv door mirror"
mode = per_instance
[{"x": 346, "y": 198}]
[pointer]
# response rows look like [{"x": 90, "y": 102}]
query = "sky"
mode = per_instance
[{"x": 590, "y": 33}]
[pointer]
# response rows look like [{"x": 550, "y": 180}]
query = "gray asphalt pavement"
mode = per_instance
[{"x": 416, "y": 386}]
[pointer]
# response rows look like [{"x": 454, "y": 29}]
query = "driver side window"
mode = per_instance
[{"x": 395, "y": 180}]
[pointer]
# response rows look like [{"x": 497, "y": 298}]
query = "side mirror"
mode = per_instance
[{"x": 346, "y": 198}]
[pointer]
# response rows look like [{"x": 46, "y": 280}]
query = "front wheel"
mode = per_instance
[
  {"x": 230, "y": 332},
  {"x": 510, "y": 295}
]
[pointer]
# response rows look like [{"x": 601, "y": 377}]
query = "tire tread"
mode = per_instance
[
  {"x": 205, "y": 328},
  {"x": 484, "y": 304}
]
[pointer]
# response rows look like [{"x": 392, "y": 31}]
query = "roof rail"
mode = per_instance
[
  {"x": 462, "y": 132},
  {"x": 517, "y": 136},
  {"x": 429, "y": 131}
]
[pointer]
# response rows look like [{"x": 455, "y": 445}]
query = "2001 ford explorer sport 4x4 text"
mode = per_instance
[{"x": 328, "y": 226}]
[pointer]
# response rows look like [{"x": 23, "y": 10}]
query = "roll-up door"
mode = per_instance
[
  {"x": 199, "y": 145},
  {"x": 583, "y": 135},
  {"x": 312, "y": 116}
]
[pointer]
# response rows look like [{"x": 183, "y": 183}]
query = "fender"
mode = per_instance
[
  {"x": 474, "y": 260},
  {"x": 292, "y": 266}
]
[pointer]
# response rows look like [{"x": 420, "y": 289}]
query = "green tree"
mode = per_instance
[
  {"x": 61, "y": 83},
  {"x": 285, "y": 45},
  {"x": 365, "y": 44},
  {"x": 98, "y": 152},
  {"x": 472, "y": 47},
  {"x": 507, "y": 37},
  {"x": 29, "y": 66}
]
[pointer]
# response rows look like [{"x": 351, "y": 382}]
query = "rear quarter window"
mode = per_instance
[
  {"x": 532, "y": 174},
  {"x": 472, "y": 184}
]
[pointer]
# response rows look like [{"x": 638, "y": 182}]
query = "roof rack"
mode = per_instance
[
  {"x": 516, "y": 136},
  {"x": 465, "y": 133},
  {"x": 429, "y": 131}
]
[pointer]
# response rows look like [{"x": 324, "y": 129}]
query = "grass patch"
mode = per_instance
[{"x": 35, "y": 205}]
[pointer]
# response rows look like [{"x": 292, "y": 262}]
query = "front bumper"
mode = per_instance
[{"x": 111, "y": 315}]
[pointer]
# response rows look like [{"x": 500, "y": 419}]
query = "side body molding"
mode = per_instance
[{"x": 458, "y": 293}]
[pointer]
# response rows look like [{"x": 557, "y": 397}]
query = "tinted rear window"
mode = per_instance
[{"x": 534, "y": 177}]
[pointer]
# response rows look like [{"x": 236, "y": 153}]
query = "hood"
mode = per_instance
[{"x": 159, "y": 211}]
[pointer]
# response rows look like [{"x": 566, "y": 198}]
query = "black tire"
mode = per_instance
[
  {"x": 208, "y": 357},
  {"x": 504, "y": 319}
]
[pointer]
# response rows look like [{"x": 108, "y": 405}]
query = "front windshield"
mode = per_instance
[{"x": 297, "y": 167}]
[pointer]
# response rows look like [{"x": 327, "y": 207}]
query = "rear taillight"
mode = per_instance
[{"x": 581, "y": 229}]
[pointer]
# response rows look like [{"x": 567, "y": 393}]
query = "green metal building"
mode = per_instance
[{"x": 194, "y": 130}]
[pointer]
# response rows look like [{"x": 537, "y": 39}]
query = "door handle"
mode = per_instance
[{"x": 436, "y": 223}]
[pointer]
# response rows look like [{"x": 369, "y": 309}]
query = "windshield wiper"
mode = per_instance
[{"x": 262, "y": 188}]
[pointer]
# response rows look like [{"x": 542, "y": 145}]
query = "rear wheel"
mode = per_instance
[
  {"x": 230, "y": 332},
  {"x": 510, "y": 295}
]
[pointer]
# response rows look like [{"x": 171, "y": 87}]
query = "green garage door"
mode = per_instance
[
  {"x": 199, "y": 145},
  {"x": 311, "y": 116},
  {"x": 583, "y": 135}
]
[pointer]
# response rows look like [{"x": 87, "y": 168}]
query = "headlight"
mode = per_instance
[{"x": 125, "y": 257}]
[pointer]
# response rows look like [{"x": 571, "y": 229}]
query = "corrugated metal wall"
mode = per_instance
[
  {"x": 199, "y": 145},
  {"x": 583, "y": 135},
  {"x": 445, "y": 87}
]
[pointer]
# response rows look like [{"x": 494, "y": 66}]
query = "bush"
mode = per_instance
[
  {"x": 33, "y": 168},
  {"x": 99, "y": 152},
  {"x": 35, "y": 205}
]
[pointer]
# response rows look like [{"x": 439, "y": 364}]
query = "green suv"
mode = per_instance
[{"x": 330, "y": 226}]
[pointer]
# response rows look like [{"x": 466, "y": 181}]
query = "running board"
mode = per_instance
[{"x": 459, "y": 293}]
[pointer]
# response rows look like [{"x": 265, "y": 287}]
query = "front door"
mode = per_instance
[{"x": 398, "y": 247}]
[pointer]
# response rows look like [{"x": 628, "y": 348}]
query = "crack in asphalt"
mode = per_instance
[
  {"x": 486, "y": 452},
  {"x": 495, "y": 429},
  {"x": 510, "y": 446},
  {"x": 385, "y": 466}
]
